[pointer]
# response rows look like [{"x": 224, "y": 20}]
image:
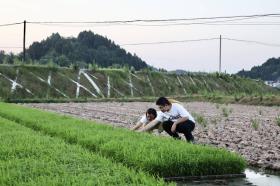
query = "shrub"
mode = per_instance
[
  {"x": 255, "y": 123},
  {"x": 74, "y": 67},
  {"x": 277, "y": 119},
  {"x": 200, "y": 119},
  {"x": 225, "y": 112},
  {"x": 93, "y": 67}
]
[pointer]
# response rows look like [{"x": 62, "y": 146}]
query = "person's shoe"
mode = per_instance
[
  {"x": 192, "y": 141},
  {"x": 177, "y": 138},
  {"x": 160, "y": 130}
]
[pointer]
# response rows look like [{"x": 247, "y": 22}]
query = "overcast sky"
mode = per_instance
[{"x": 190, "y": 56}]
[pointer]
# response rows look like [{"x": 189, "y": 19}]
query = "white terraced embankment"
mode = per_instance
[
  {"x": 15, "y": 85},
  {"x": 93, "y": 84}
]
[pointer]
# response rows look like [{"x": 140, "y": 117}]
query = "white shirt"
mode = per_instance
[
  {"x": 145, "y": 120},
  {"x": 176, "y": 111}
]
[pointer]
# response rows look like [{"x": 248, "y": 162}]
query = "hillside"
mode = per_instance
[
  {"x": 268, "y": 71},
  {"x": 87, "y": 48},
  {"x": 35, "y": 82}
]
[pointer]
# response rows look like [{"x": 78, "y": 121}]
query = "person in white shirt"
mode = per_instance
[
  {"x": 174, "y": 118},
  {"x": 149, "y": 116}
]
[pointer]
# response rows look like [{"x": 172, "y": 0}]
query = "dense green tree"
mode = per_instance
[
  {"x": 9, "y": 59},
  {"x": 36, "y": 51},
  {"x": 2, "y": 56},
  {"x": 82, "y": 51},
  {"x": 269, "y": 71}
]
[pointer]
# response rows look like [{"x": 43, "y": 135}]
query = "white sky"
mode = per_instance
[{"x": 194, "y": 56}]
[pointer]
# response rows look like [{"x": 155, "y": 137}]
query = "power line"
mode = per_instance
[
  {"x": 10, "y": 24},
  {"x": 168, "y": 42},
  {"x": 247, "y": 24},
  {"x": 253, "y": 42},
  {"x": 208, "y": 39},
  {"x": 198, "y": 23},
  {"x": 125, "y": 22},
  {"x": 216, "y": 23},
  {"x": 152, "y": 20},
  {"x": 10, "y": 47},
  {"x": 185, "y": 41},
  {"x": 145, "y": 25},
  {"x": 80, "y": 24}
]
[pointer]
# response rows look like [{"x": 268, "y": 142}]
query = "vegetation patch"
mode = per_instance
[
  {"x": 225, "y": 112},
  {"x": 30, "y": 158},
  {"x": 200, "y": 119},
  {"x": 277, "y": 119},
  {"x": 255, "y": 123},
  {"x": 160, "y": 156}
]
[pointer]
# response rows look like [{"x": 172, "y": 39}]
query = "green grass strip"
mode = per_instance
[
  {"x": 158, "y": 155},
  {"x": 30, "y": 158}
]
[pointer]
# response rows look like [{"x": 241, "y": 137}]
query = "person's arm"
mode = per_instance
[
  {"x": 149, "y": 126},
  {"x": 140, "y": 123},
  {"x": 184, "y": 116},
  {"x": 137, "y": 126},
  {"x": 180, "y": 120}
]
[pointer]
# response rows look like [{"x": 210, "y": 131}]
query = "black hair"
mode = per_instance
[
  {"x": 162, "y": 101},
  {"x": 152, "y": 111}
]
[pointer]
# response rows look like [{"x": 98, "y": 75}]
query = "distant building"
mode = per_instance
[{"x": 275, "y": 84}]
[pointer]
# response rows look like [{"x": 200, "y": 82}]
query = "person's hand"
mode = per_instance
[{"x": 173, "y": 128}]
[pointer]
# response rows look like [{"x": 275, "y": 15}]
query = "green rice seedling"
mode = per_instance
[
  {"x": 277, "y": 119},
  {"x": 214, "y": 121},
  {"x": 255, "y": 123},
  {"x": 160, "y": 156},
  {"x": 200, "y": 119},
  {"x": 32, "y": 158},
  {"x": 217, "y": 106},
  {"x": 225, "y": 112}
]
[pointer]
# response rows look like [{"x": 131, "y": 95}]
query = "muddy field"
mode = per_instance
[{"x": 252, "y": 131}]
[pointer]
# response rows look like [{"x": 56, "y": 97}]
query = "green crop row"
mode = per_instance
[
  {"x": 160, "y": 156},
  {"x": 30, "y": 158}
]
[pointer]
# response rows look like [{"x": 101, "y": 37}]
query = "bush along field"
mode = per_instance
[
  {"x": 32, "y": 158},
  {"x": 49, "y": 83},
  {"x": 159, "y": 156}
]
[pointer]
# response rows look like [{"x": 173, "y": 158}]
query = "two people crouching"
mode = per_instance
[{"x": 173, "y": 117}]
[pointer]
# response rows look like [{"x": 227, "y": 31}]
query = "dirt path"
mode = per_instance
[{"x": 252, "y": 131}]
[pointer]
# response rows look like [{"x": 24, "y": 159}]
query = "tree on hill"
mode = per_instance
[
  {"x": 9, "y": 58},
  {"x": 2, "y": 56},
  {"x": 269, "y": 71},
  {"x": 86, "y": 49}
]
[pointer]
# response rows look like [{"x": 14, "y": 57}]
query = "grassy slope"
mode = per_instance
[{"x": 162, "y": 83}]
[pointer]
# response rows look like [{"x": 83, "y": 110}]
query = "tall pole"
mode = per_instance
[
  {"x": 220, "y": 55},
  {"x": 24, "y": 34}
]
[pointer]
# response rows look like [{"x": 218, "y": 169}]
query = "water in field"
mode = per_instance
[{"x": 254, "y": 177}]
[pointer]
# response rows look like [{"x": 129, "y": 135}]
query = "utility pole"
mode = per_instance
[
  {"x": 220, "y": 55},
  {"x": 24, "y": 34}
]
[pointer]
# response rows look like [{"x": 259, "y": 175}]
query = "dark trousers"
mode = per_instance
[{"x": 185, "y": 127}]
